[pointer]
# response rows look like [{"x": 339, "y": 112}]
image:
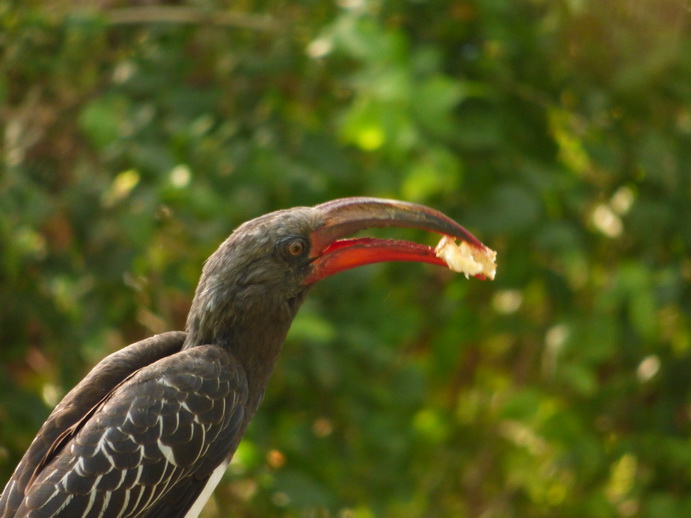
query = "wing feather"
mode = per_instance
[
  {"x": 160, "y": 432},
  {"x": 102, "y": 379}
]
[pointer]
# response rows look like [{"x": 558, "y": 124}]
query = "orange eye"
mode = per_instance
[{"x": 295, "y": 248}]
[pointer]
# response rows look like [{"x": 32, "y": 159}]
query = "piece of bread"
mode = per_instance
[{"x": 466, "y": 258}]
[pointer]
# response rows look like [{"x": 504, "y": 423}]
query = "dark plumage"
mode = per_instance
[{"x": 150, "y": 430}]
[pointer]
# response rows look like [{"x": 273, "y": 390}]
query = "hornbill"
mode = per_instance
[{"x": 151, "y": 429}]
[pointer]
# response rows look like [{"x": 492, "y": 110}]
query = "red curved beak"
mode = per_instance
[{"x": 331, "y": 254}]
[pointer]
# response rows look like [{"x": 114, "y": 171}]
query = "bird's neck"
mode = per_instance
[
  {"x": 257, "y": 350},
  {"x": 253, "y": 335}
]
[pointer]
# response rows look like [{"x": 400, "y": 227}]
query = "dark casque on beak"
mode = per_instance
[{"x": 342, "y": 217}]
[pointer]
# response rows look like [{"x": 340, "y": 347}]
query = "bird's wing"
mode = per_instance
[
  {"x": 102, "y": 379},
  {"x": 157, "y": 435}
]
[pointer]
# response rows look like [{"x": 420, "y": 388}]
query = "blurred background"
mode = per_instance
[{"x": 137, "y": 135}]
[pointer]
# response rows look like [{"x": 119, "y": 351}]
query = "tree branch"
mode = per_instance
[{"x": 184, "y": 15}]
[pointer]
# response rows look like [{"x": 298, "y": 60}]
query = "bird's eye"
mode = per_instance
[{"x": 294, "y": 248}]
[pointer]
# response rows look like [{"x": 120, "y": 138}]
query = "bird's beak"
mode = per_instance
[{"x": 331, "y": 254}]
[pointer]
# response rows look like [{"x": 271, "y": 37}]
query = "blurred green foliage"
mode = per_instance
[{"x": 137, "y": 135}]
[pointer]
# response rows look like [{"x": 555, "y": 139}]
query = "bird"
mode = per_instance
[{"x": 151, "y": 429}]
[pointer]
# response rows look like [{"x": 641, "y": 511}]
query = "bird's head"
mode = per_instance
[{"x": 259, "y": 276}]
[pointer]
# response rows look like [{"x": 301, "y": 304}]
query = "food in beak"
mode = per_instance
[{"x": 479, "y": 261}]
